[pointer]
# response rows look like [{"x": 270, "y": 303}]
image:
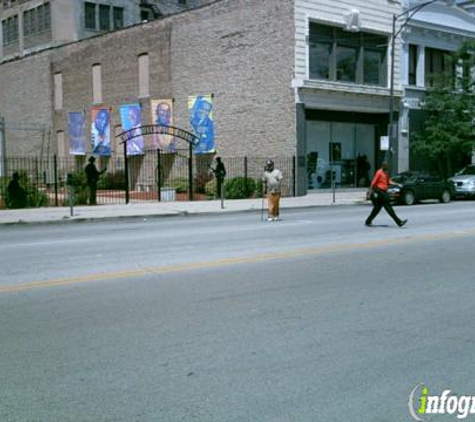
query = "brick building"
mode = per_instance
[{"x": 288, "y": 78}]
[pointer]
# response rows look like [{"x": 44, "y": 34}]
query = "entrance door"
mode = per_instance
[{"x": 344, "y": 152}]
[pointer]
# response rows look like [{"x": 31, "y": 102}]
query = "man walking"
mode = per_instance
[
  {"x": 272, "y": 180},
  {"x": 379, "y": 196}
]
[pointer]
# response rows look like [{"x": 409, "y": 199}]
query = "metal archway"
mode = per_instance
[{"x": 147, "y": 130}]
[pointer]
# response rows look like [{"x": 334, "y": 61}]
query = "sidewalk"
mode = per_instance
[{"x": 156, "y": 209}]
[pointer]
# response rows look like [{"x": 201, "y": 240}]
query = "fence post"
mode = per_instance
[
  {"x": 3, "y": 149},
  {"x": 126, "y": 171},
  {"x": 294, "y": 168},
  {"x": 55, "y": 172},
  {"x": 190, "y": 174}
]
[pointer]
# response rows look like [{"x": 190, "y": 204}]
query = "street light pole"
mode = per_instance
[
  {"x": 409, "y": 13},
  {"x": 391, "y": 91}
]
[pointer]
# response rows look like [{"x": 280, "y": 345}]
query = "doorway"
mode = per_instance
[{"x": 343, "y": 151}]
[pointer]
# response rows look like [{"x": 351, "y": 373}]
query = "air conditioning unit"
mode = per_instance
[{"x": 352, "y": 21}]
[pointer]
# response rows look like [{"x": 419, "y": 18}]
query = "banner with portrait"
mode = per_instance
[
  {"x": 131, "y": 118},
  {"x": 201, "y": 112},
  {"x": 100, "y": 131},
  {"x": 162, "y": 114},
  {"x": 77, "y": 133}
]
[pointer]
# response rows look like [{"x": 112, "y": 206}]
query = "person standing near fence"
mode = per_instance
[
  {"x": 272, "y": 180},
  {"x": 378, "y": 193},
  {"x": 16, "y": 194},
  {"x": 92, "y": 176},
  {"x": 219, "y": 173}
]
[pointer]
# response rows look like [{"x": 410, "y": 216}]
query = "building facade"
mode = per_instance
[
  {"x": 29, "y": 26},
  {"x": 342, "y": 88},
  {"x": 298, "y": 78}
]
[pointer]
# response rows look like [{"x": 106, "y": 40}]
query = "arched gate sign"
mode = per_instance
[
  {"x": 176, "y": 132},
  {"x": 145, "y": 130}
]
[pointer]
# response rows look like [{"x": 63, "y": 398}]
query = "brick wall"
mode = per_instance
[
  {"x": 25, "y": 103},
  {"x": 241, "y": 51}
]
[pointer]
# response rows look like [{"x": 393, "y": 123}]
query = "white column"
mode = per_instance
[{"x": 420, "y": 70}]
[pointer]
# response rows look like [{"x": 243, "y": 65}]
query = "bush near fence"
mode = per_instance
[
  {"x": 34, "y": 196},
  {"x": 239, "y": 188}
]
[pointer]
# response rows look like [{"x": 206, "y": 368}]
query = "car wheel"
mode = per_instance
[
  {"x": 409, "y": 197},
  {"x": 445, "y": 197}
]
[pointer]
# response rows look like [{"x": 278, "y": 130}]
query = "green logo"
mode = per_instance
[{"x": 421, "y": 403}]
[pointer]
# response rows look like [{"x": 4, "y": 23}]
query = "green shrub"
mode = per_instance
[
  {"x": 78, "y": 178},
  {"x": 259, "y": 188},
  {"x": 34, "y": 197},
  {"x": 80, "y": 189},
  {"x": 200, "y": 180},
  {"x": 179, "y": 184},
  {"x": 210, "y": 189},
  {"x": 112, "y": 181},
  {"x": 80, "y": 196},
  {"x": 239, "y": 188}
]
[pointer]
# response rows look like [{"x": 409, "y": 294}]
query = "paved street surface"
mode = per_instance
[{"x": 223, "y": 317}]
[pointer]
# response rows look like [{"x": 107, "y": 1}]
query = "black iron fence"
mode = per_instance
[{"x": 153, "y": 177}]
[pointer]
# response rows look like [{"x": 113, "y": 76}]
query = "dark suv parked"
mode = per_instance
[{"x": 417, "y": 186}]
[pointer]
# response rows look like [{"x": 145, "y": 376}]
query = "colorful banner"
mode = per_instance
[
  {"x": 131, "y": 117},
  {"x": 201, "y": 120},
  {"x": 77, "y": 133},
  {"x": 162, "y": 114},
  {"x": 100, "y": 131}
]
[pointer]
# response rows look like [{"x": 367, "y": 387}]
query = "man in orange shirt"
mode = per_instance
[{"x": 380, "y": 198}]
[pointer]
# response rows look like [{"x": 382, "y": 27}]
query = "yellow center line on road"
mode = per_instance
[{"x": 320, "y": 250}]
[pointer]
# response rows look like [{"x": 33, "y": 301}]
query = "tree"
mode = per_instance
[{"x": 448, "y": 134}]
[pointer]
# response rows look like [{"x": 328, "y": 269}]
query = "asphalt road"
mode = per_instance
[{"x": 227, "y": 318}]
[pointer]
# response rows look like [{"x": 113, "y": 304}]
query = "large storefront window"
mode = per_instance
[
  {"x": 338, "y": 55},
  {"x": 345, "y": 150}
]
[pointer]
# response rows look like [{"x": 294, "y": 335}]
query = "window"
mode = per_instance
[
  {"x": 338, "y": 55},
  {"x": 96, "y": 84},
  {"x": 321, "y": 46},
  {"x": 104, "y": 17},
  {"x": 182, "y": 2},
  {"x": 40, "y": 18},
  {"x": 36, "y": 21},
  {"x": 412, "y": 75},
  {"x": 144, "y": 77},
  {"x": 58, "y": 91},
  {"x": 26, "y": 23},
  {"x": 146, "y": 15},
  {"x": 118, "y": 17},
  {"x": 374, "y": 59},
  {"x": 4, "y": 32},
  {"x": 437, "y": 62},
  {"x": 47, "y": 15},
  {"x": 10, "y": 30},
  {"x": 90, "y": 15}
]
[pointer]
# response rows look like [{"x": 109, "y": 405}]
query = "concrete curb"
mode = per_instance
[{"x": 66, "y": 219}]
